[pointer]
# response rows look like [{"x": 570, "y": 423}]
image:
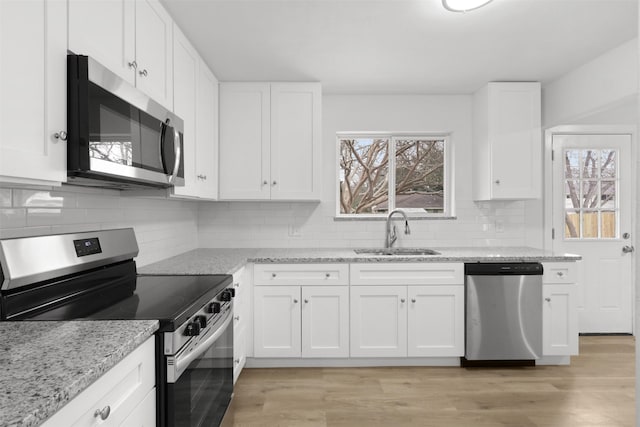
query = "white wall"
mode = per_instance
[
  {"x": 589, "y": 93},
  {"x": 266, "y": 224},
  {"x": 163, "y": 228}
]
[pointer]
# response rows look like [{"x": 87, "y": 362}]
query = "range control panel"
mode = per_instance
[{"x": 88, "y": 246}]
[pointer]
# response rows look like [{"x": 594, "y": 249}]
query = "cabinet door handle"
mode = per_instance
[
  {"x": 103, "y": 413},
  {"x": 413, "y": 300},
  {"x": 497, "y": 182},
  {"x": 547, "y": 299},
  {"x": 273, "y": 275},
  {"x": 62, "y": 135},
  {"x": 560, "y": 274},
  {"x": 274, "y": 183},
  {"x": 237, "y": 318},
  {"x": 237, "y": 361},
  {"x": 295, "y": 301},
  {"x": 133, "y": 64},
  {"x": 402, "y": 300},
  {"x": 143, "y": 73},
  {"x": 306, "y": 301},
  {"x": 236, "y": 285},
  {"x": 264, "y": 182}
]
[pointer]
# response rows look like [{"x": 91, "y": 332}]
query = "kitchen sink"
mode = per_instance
[{"x": 397, "y": 251}]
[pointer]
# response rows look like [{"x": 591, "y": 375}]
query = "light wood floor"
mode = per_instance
[{"x": 596, "y": 390}]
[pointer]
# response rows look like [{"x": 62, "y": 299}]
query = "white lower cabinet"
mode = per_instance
[
  {"x": 241, "y": 319},
  {"x": 413, "y": 321},
  {"x": 123, "y": 396},
  {"x": 301, "y": 321},
  {"x": 559, "y": 309}
]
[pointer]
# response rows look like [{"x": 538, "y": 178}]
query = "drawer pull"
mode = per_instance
[
  {"x": 273, "y": 275},
  {"x": 237, "y": 318},
  {"x": 560, "y": 274},
  {"x": 104, "y": 413},
  {"x": 327, "y": 275}
]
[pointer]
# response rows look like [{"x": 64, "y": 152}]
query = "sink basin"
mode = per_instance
[{"x": 397, "y": 251}]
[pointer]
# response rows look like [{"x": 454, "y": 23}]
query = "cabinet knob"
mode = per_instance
[
  {"x": 237, "y": 318},
  {"x": 274, "y": 183},
  {"x": 143, "y": 72},
  {"x": 103, "y": 413},
  {"x": 295, "y": 301},
  {"x": 265, "y": 182},
  {"x": 413, "y": 300},
  {"x": 62, "y": 135},
  {"x": 547, "y": 299},
  {"x": 236, "y": 285},
  {"x": 237, "y": 361},
  {"x": 327, "y": 275},
  {"x": 133, "y": 64},
  {"x": 306, "y": 301},
  {"x": 202, "y": 177},
  {"x": 402, "y": 300},
  {"x": 560, "y": 274},
  {"x": 497, "y": 182},
  {"x": 273, "y": 275}
]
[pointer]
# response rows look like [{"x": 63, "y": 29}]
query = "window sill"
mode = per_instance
[{"x": 384, "y": 218}]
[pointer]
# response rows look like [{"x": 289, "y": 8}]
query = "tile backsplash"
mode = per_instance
[{"x": 163, "y": 227}]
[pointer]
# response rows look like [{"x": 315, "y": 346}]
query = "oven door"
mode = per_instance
[{"x": 200, "y": 377}]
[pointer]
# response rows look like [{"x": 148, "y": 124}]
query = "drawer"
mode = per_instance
[
  {"x": 121, "y": 389},
  {"x": 560, "y": 272},
  {"x": 301, "y": 274},
  {"x": 407, "y": 274}
]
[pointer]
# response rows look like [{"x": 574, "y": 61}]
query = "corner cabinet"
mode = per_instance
[
  {"x": 33, "y": 92},
  {"x": 559, "y": 309},
  {"x": 196, "y": 102},
  {"x": 124, "y": 396},
  {"x": 270, "y": 141},
  {"x": 407, "y": 310},
  {"x": 507, "y": 141},
  {"x": 301, "y": 310},
  {"x": 131, "y": 38}
]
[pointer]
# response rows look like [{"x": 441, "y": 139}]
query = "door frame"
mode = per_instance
[{"x": 548, "y": 189}]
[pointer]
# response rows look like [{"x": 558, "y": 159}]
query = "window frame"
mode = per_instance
[{"x": 448, "y": 187}]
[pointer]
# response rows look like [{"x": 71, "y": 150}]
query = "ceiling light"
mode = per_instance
[{"x": 463, "y": 5}]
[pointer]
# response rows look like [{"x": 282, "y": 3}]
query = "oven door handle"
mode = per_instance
[{"x": 176, "y": 365}]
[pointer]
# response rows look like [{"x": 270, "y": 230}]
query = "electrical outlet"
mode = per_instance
[{"x": 294, "y": 231}]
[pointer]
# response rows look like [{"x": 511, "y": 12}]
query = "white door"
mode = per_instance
[
  {"x": 325, "y": 321},
  {"x": 592, "y": 205},
  {"x": 378, "y": 321},
  {"x": 277, "y": 321},
  {"x": 435, "y": 321}
]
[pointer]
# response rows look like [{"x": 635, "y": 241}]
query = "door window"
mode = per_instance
[{"x": 591, "y": 208}]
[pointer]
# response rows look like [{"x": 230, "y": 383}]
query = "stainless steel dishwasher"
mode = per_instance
[{"x": 503, "y": 313}]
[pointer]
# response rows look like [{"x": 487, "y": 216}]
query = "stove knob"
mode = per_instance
[
  {"x": 233, "y": 292},
  {"x": 214, "y": 307},
  {"x": 201, "y": 320},
  {"x": 226, "y": 295},
  {"x": 192, "y": 329}
]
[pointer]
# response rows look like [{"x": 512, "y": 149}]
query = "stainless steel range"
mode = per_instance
[{"x": 92, "y": 275}]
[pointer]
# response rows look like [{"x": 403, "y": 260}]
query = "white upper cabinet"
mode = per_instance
[
  {"x": 185, "y": 73},
  {"x": 270, "y": 141},
  {"x": 207, "y": 134},
  {"x": 507, "y": 141},
  {"x": 131, "y": 38},
  {"x": 33, "y": 90}
]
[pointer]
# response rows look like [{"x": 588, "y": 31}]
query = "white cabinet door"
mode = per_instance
[
  {"x": 144, "y": 415},
  {"x": 244, "y": 141},
  {"x": 559, "y": 320},
  {"x": 154, "y": 29},
  {"x": 185, "y": 72},
  {"x": 435, "y": 321},
  {"x": 277, "y": 321},
  {"x": 325, "y": 321},
  {"x": 105, "y": 30},
  {"x": 507, "y": 144},
  {"x": 33, "y": 94},
  {"x": 378, "y": 321},
  {"x": 295, "y": 141},
  {"x": 207, "y": 134}
]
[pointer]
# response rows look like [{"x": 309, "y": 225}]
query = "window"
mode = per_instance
[
  {"x": 378, "y": 173},
  {"x": 590, "y": 190}
]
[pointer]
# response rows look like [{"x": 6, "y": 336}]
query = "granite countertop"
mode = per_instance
[
  {"x": 45, "y": 364},
  {"x": 228, "y": 261}
]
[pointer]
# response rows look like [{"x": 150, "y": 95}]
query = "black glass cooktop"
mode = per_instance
[{"x": 169, "y": 299}]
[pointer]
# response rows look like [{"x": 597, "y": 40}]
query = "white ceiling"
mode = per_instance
[{"x": 401, "y": 46}]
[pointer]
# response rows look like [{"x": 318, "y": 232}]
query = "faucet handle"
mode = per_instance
[{"x": 407, "y": 230}]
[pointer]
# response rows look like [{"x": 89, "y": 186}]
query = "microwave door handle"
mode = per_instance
[
  {"x": 180, "y": 363},
  {"x": 178, "y": 152},
  {"x": 161, "y": 141}
]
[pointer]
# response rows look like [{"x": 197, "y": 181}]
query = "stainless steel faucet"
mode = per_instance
[{"x": 391, "y": 231}]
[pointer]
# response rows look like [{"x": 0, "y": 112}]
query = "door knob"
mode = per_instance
[{"x": 628, "y": 249}]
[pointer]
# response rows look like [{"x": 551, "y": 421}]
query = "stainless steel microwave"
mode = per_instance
[{"x": 117, "y": 136}]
